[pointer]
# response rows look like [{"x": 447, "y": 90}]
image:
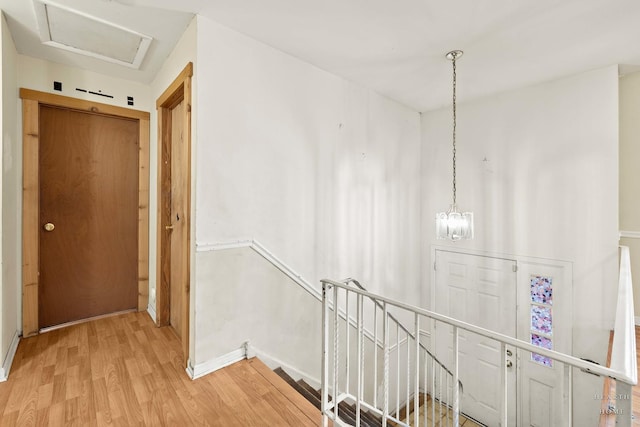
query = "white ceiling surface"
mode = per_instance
[
  {"x": 165, "y": 26},
  {"x": 394, "y": 47}
]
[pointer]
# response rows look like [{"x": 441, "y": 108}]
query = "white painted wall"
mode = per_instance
[
  {"x": 630, "y": 174},
  {"x": 11, "y": 197},
  {"x": 548, "y": 188},
  {"x": 38, "y": 74},
  {"x": 183, "y": 53},
  {"x": 324, "y": 173}
]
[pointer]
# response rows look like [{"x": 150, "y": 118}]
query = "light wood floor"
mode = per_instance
[
  {"x": 609, "y": 389},
  {"x": 124, "y": 371}
]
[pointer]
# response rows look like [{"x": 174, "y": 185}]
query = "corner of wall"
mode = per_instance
[
  {"x": 210, "y": 366},
  {"x": 8, "y": 360}
]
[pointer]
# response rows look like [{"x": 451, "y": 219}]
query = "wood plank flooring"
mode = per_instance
[
  {"x": 609, "y": 389},
  {"x": 124, "y": 371}
]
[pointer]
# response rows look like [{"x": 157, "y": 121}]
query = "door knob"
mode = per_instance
[
  {"x": 509, "y": 363},
  {"x": 49, "y": 227},
  {"x": 509, "y": 353}
]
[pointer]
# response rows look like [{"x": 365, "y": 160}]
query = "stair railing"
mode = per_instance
[
  {"x": 424, "y": 374},
  {"x": 398, "y": 346},
  {"x": 409, "y": 338}
]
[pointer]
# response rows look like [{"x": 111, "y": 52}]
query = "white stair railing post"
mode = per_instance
[
  {"x": 336, "y": 351},
  {"x": 449, "y": 403},
  {"x": 385, "y": 380},
  {"x": 440, "y": 392},
  {"x": 397, "y": 370},
  {"x": 568, "y": 394},
  {"x": 360, "y": 360},
  {"x": 407, "y": 404},
  {"x": 433, "y": 390},
  {"x": 425, "y": 384},
  {"x": 347, "y": 357},
  {"x": 375, "y": 355},
  {"x": 416, "y": 389},
  {"x": 454, "y": 387},
  {"x": 325, "y": 356},
  {"x": 503, "y": 385}
]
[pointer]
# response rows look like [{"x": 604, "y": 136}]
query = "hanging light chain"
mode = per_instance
[
  {"x": 454, "y": 126},
  {"x": 453, "y": 224}
]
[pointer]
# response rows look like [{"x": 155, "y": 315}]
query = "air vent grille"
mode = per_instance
[{"x": 78, "y": 32}]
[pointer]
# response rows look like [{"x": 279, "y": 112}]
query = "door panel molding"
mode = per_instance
[
  {"x": 31, "y": 101},
  {"x": 178, "y": 91}
]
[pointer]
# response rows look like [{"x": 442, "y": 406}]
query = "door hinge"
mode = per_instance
[
  {"x": 515, "y": 268},
  {"x": 434, "y": 266}
]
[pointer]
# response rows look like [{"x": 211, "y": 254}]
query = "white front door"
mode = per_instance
[{"x": 482, "y": 291}]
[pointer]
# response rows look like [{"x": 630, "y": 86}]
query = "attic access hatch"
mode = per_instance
[{"x": 78, "y": 32}]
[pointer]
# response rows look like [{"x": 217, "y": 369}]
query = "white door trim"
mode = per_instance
[{"x": 501, "y": 255}]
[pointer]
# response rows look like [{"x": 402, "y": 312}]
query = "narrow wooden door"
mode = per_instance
[
  {"x": 174, "y": 207},
  {"x": 88, "y": 238},
  {"x": 178, "y": 211}
]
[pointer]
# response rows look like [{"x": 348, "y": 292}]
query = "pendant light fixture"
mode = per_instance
[{"x": 453, "y": 224}]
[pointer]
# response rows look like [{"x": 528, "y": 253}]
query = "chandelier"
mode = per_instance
[{"x": 453, "y": 224}]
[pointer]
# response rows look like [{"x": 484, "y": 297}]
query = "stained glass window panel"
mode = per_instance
[
  {"x": 541, "y": 319},
  {"x": 541, "y": 290},
  {"x": 543, "y": 342}
]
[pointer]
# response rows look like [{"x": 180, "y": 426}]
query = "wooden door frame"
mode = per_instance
[
  {"x": 31, "y": 101},
  {"x": 178, "y": 91}
]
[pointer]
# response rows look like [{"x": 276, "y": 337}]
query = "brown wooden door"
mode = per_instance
[
  {"x": 88, "y": 178},
  {"x": 178, "y": 211},
  {"x": 174, "y": 207}
]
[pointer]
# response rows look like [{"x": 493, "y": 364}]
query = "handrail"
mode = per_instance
[
  {"x": 404, "y": 329},
  {"x": 561, "y": 357},
  {"x": 258, "y": 248},
  {"x": 623, "y": 352},
  {"x": 305, "y": 284}
]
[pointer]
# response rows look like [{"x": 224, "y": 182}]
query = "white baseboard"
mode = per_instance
[
  {"x": 202, "y": 369},
  {"x": 152, "y": 313},
  {"x": 294, "y": 373},
  {"x": 637, "y": 320},
  {"x": 247, "y": 351},
  {"x": 8, "y": 360}
]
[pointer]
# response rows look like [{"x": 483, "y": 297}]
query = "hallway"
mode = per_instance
[{"x": 123, "y": 370}]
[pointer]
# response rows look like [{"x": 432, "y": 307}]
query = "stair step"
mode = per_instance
[
  {"x": 366, "y": 418},
  {"x": 346, "y": 412},
  {"x": 303, "y": 384},
  {"x": 303, "y": 391}
]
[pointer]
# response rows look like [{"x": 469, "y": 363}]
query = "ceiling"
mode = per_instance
[{"x": 395, "y": 47}]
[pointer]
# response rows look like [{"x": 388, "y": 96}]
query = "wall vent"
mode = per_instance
[{"x": 78, "y": 32}]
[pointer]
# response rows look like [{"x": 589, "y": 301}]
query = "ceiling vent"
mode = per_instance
[{"x": 78, "y": 32}]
